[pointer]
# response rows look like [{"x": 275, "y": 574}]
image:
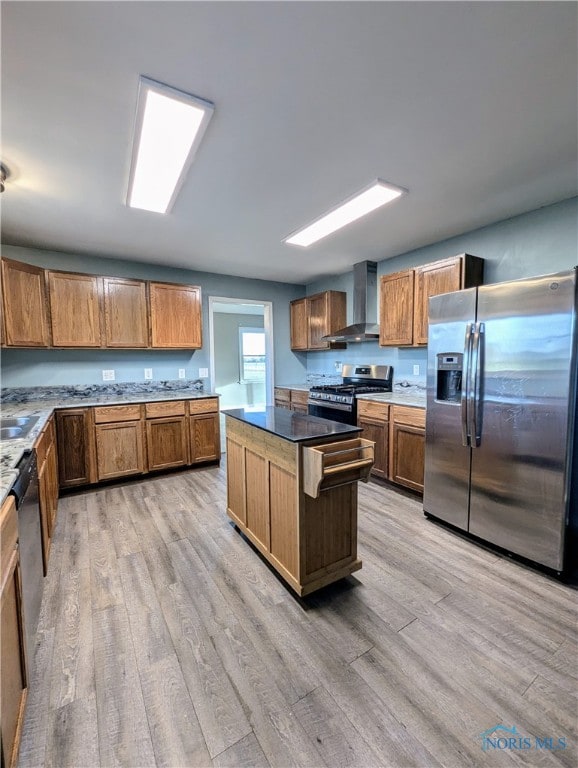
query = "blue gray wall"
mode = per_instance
[
  {"x": 539, "y": 242},
  {"x": 535, "y": 243},
  {"x": 32, "y": 367}
]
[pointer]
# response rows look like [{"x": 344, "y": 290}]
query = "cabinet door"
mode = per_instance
[
  {"x": 75, "y": 441},
  {"x": 125, "y": 312},
  {"x": 176, "y": 320},
  {"x": 299, "y": 324},
  {"x": 205, "y": 437},
  {"x": 378, "y": 431},
  {"x": 24, "y": 305},
  {"x": 119, "y": 449},
  {"x": 407, "y": 456},
  {"x": 13, "y": 678},
  {"x": 167, "y": 442},
  {"x": 74, "y": 310},
  {"x": 431, "y": 280},
  {"x": 396, "y": 309},
  {"x": 318, "y": 320}
]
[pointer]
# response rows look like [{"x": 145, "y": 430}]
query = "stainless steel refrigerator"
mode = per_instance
[{"x": 501, "y": 399}]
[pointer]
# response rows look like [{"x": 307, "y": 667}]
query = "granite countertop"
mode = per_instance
[
  {"x": 301, "y": 387},
  {"x": 412, "y": 396},
  {"x": 290, "y": 425},
  {"x": 11, "y": 451}
]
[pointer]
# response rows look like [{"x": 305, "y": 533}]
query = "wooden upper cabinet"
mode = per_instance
[
  {"x": 24, "y": 305},
  {"x": 431, "y": 280},
  {"x": 299, "y": 324},
  {"x": 74, "y": 309},
  {"x": 404, "y": 296},
  {"x": 125, "y": 312},
  {"x": 396, "y": 309},
  {"x": 176, "y": 317},
  {"x": 316, "y": 316}
]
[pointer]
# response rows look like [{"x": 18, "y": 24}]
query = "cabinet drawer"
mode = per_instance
[
  {"x": 331, "y": 464},
  {"x": 298, "y": 396},
  {"x": 104, "y": 414},
  {"x": 373, "y": 409},
  {"x": 283, "y": 394},
  {"x": 209, "y": 405},
  {"x": 403, "y": 414},
  {"x": 171, "y": 408}
]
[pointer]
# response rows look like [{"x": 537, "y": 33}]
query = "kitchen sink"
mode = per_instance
[{"x": 15, "y": 427}]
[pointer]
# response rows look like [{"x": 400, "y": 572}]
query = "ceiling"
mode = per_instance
[{"x": 472, "y": 107}]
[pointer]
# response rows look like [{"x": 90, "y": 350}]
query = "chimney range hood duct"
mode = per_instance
[{"x": 364, "y": 327}]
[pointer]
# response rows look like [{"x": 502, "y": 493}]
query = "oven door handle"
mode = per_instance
[{"x": 332, "y": 406}]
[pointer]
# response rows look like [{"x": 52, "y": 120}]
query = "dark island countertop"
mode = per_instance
[{"x": 290, "y": 425}]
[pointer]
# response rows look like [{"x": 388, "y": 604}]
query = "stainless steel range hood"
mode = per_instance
[{"x": 364, "y": 326}]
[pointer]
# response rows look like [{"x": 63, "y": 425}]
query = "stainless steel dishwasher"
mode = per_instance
[{"x": 25, "y": 489}]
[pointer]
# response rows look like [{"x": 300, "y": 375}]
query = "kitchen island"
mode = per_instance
[{"x": 292, "y": 490}]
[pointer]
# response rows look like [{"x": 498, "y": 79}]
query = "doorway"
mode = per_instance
[{"x": 241, "y": 353}]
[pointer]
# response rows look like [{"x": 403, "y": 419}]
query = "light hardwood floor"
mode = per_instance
[{"x": 165, "y": 640}]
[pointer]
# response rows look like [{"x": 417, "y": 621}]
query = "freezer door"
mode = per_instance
[
  {"x": 519, "y": 474},
  {"x": 447, "y": 459}
]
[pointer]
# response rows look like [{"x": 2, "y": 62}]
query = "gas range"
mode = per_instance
[
  {"x": 338, "y": 401},
  {"x": 342, "y": 393}
]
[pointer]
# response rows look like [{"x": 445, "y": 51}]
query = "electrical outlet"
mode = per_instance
[
  {"x": 203, "y": 373},
  {"x": 416, "y": 370},
  {"x": 338, "y": 366},
  {"x": 182, "y": 373},
  {"x": 108, "y": 375},
  {"x": 148, "y": 373}
]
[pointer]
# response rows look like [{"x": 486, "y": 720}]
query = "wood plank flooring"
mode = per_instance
[{"x": 164, "y": 640}]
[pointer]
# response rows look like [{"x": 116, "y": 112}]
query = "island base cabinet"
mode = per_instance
[
  {"x": 330, "y": 540},
  {"x": 311, "y": 542}
]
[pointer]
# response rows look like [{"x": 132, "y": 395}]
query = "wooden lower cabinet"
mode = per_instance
[
  {"x": 294, "y": 399},
  {"x": 13, "y": 670},
  {"x": 399, "y": 436},
  {"x": 299, "y": 400},
  {"x": 47, "y": 489},
  {"x": 167, "y": 442},
  {"x": 76, "y": 452},
  {"x": 373, "y": 417},
  {"x": 407, "y": 439},
  {"x": 205, "y": 437},
  {"x": 119, "y": 449},
  {"x": 282, "y": 397},
  {"x": 108, "y": 442}
]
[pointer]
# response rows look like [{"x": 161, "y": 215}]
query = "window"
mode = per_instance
[{"x": 252, "y": 354}]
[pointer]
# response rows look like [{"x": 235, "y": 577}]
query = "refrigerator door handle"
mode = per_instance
[
  {"x": 466, "y": 386},
  {"x": 476, "y": 389}
]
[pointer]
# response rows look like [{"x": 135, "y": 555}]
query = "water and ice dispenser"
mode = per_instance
[{"x": 449, "y": 376}]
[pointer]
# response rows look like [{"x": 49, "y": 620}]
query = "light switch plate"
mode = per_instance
[
  {"x": 148, "y": 373},
  {"x": 416, "y": 370},
  {"x": 203, "y": 373},
  {"x": 182, "y": 373},
  {"x": 108, "y": 374}
]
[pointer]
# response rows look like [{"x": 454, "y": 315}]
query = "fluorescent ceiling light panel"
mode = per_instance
[
  {"x": 168, "y": 130},
  {"x": 378, "y": 194}
]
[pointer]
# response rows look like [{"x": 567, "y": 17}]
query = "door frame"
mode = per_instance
[{"x": 267, "y": 327}]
